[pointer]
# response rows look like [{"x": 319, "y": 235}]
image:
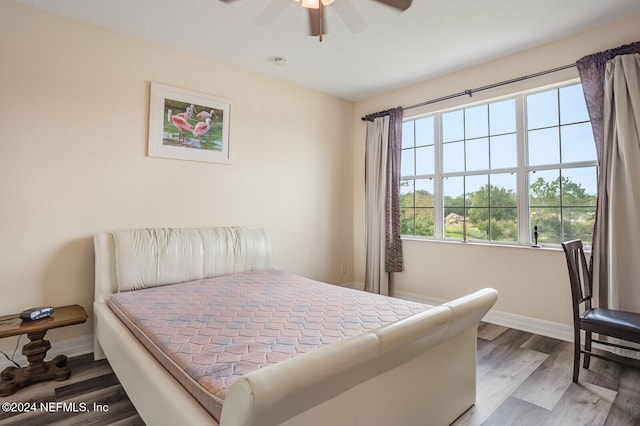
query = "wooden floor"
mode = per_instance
[
  {"x": 71, "y": 402},
  {"x": 523, "y": 379}
]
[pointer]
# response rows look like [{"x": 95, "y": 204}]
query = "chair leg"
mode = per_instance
[
  {"x": 587, "y": 347},
  {"x": 576, "y": 356}
]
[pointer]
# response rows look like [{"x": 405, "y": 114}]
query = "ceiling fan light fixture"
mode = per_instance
[{"x": 314, "y": 4}]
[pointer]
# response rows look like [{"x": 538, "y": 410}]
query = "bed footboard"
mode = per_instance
[{"x": 416, "y": 371}]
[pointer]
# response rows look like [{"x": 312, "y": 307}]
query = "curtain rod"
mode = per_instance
[
  {"x": 470, "y": 92},
  {"x": 370, "y": 117}
]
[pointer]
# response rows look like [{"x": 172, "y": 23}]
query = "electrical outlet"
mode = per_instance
[{"x": 343, "y": 269}]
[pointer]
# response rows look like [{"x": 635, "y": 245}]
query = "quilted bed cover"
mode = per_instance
[{"x": 208, "y": 333}]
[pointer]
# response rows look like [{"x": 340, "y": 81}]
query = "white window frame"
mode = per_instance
[{"x": 522, "y": 169}]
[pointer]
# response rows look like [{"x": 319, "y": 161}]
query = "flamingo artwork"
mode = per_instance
[
  {"x": 180, "y": 122},
  {"x": 201, "y": 129},
  {"x": 204, "y": 114},
  {"x": 188, "y": 113}
]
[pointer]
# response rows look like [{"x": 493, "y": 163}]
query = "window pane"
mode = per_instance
[
  {"x": 407, "y": 221},
  {"x": 504, "y": 151},
  {"x": 542, "y": 110},
  {"x": 407, "y": 163},
  {"x": 424, "y": 222},
  {"x": 454, "y": 222},
  {"x": 579, "y": 187},
  {"x": 577, "y": 143},
  {"x": 407, "y": 134},
  {"x": 406, "y": 193},
  {"x": 476, "y": 188},
  {"x": 453, "y": 192},
  {"x": 544, "y": 188},
  {"x": 425, "y": 131},
  {"x": 476, "y": 122},
  {"x": 425, "y": 160},
  {"x": 503, "y": 190},
  {"x": 502, "y": 117},
  {"x": 504, "y": 224},
  {"x": 548, "y": 221},
  {"x": 478, "y": 223},
  {"x": 424, "y": 192},
  {"x": 578, "y": 223},
  {"x": 544, "y": 147},
  {"x": 453, "y": 126},
  {"x": 573, "y": 108},
  {"x": 453, "y": 157},
  {"x": 478, "y": 154}
]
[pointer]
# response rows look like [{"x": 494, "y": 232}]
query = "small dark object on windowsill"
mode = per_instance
[{"x": 535, "y": 237}]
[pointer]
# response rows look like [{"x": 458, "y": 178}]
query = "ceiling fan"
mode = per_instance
[{"x": 316, "y": 12}]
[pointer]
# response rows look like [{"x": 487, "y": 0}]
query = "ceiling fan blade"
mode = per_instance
[
  {"x": 271, "y": 12},
  {"x": 397, "y": 4},
  {"x": 317, "y": 24},
  {"x": 350, "y": 16}
]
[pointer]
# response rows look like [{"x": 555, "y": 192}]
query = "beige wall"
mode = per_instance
[
  {"x": 531, "y": 282},
  {"x": 74, "y": 117}
]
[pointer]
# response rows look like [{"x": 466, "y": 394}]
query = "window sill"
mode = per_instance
[{"x": 552, "y": 247}]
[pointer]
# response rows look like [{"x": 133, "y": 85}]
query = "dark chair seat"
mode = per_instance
[
  {"x": 605, "y": 322},
  {"x": 620, "y": 324}
]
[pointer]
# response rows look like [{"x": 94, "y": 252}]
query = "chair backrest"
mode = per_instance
[{"x": 579, "y": 276}]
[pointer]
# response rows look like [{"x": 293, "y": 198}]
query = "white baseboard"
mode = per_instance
[
  {"x": 519, "y": 322},
  {"x": 71, "y": 347}
]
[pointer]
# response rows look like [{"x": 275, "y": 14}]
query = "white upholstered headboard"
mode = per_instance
[{"x": 147, "y": 257}]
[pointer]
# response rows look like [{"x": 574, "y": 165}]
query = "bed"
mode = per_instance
[{"x": 358, "y": 359}]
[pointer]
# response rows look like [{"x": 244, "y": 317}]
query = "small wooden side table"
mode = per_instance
[{"x": 14, "y": 378}]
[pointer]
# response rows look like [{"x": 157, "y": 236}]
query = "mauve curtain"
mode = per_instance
[
  {"x": 608, "y": 85},
  {"x": 393, "y": 241},
  {"x": 382, "y": 201},
  {"x": 591, "y": 69}
]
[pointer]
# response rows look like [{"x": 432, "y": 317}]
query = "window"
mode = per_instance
[
  {"x": 493, "y": 172},
  {"x": 562, "y": 165},
  {"x": 417, "y": 161}
]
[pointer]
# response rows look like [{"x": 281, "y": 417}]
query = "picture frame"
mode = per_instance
[{"x": 187, "y": 125}]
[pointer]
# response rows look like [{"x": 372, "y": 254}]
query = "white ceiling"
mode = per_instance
[{"x": 370, "y": 48}]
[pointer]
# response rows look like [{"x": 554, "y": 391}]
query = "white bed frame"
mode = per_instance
[{"x": 416, "y": 371}]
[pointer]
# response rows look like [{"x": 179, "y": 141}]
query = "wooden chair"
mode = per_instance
[{"x": 606, "y": 322}]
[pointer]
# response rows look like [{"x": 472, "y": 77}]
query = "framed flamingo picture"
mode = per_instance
[{"x": 187, "y": 125}]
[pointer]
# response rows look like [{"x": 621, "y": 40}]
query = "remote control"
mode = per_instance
[{"x": 36, "y": 313}]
